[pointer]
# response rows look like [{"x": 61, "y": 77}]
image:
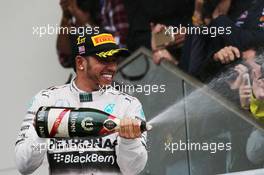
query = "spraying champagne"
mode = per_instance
[{"x": 77, "y": 122}]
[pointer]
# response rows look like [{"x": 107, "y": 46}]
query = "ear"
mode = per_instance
[{"x": 80, "y": 63}]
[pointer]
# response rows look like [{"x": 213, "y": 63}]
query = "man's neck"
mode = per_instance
[{"x": 84, "y": 85}]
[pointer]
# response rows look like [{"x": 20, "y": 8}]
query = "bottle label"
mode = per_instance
[
  {"x": 85, "y": 123},
  {"x": 41, "y": 122},
  {"x": 70, "y": 122}
]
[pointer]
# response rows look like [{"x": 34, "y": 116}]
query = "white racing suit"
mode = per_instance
[{"x": 110, "y": 154}]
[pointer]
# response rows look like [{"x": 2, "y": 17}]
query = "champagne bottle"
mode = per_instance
[{"x": 53, "y": 122}]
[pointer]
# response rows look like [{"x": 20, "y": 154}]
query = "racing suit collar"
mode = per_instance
[{"x": 84, "y": 96}]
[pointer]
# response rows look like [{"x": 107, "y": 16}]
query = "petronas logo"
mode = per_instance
[{"x": 109, "y": 108}]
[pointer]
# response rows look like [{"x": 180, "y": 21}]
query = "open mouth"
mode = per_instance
[{"x": 108, "y": 77}]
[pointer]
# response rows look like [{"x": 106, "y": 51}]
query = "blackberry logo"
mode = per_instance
[
  {"x": 58, "y": 157},
  {"x": 88, "y": 158}
]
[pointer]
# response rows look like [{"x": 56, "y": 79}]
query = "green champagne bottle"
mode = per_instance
[{"x": 64, "y": 122}]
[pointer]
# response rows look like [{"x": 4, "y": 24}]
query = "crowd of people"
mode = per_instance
[
  {"x": 237, "y": 47},
  {"x": 201, "y": 55},
  {"x": 239, "y": 54}
]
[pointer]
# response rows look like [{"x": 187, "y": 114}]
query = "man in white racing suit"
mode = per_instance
[{"x": 123, "y": 152}]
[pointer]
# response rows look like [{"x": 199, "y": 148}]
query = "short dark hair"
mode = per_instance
[{"x": 74, "y": 64}]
